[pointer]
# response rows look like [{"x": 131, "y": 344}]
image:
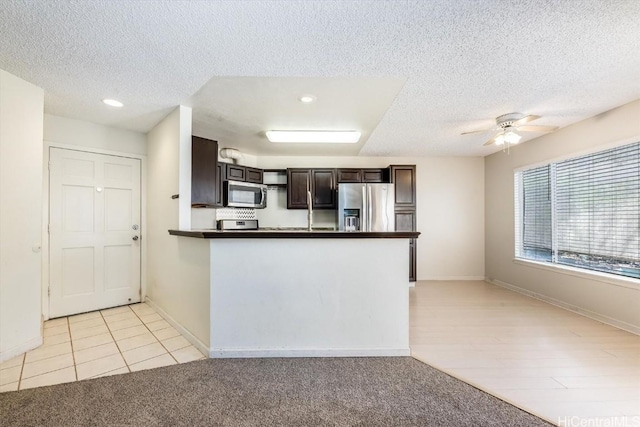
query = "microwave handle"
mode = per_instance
[{"x": 263, "y": 195}]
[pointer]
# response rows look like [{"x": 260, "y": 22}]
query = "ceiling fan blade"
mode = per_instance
[
  {"x": 475, "y": 131},
  {"x": 534, "y": 128},
  {"x": 491, "y": 141},
  {"x": 526, "y": 119}
]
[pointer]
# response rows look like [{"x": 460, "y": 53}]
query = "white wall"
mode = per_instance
[
  {"x": 290, "y": 305},
  {"x": 614, "y": 303},
  {"x": 65, "y": 131},
  {"x": 177, "y": 267},
  {"x": 21, "y": 121},
  {"x": 450, "y": 203}
]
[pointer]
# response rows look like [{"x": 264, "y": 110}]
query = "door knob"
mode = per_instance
[{"x": 135, "y": 237}]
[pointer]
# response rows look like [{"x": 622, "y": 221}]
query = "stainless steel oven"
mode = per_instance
[{"x": 245, "y": 195}]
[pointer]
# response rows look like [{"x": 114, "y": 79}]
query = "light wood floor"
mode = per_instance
[{"x": 551, "y": 362}]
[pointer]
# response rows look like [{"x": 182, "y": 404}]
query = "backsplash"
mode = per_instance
[
  {"x": 203, "y": 218},
  {"x": 235, "y": 213},
  {"x": 276, "y": 213}
]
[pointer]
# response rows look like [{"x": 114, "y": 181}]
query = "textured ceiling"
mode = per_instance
[{"x": 462, "y": 62}]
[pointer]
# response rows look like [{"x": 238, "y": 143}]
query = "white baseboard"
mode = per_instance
[
  {"x": 579, "y": 310},
  {"x": 338, "y": 352},
  {"x": 446, "y": 278},
  {"x": 22, "y": 348},
  {"x": 183, "y": 331}
]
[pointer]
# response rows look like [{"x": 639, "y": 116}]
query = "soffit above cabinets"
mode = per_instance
[{"x": 245, "y": 107}]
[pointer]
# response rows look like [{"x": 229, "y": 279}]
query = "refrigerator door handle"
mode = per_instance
[
  {"x": 364, "y": 224},
  {"x": 370, "y": 207},
  {"x": 385, "y": 218}
]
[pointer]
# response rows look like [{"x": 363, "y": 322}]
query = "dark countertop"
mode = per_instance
[{"x": 293, "y": 234}]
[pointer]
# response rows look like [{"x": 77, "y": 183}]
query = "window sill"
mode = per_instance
[{"x": 625, "y": 282}]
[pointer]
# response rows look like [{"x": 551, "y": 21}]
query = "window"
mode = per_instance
[{"x": 582, "y": 212}]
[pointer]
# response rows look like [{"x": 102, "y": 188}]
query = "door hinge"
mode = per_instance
[
  {"x": 49, "y": 291},
  {"x": 49, "y": 165},
  {"x": 48, "y": 228}
]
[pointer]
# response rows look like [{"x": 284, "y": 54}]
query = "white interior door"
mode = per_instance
[{"x": 94, "y": 227}]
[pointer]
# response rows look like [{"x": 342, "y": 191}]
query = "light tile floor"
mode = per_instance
[
  {"x": 561, "y": 366},
  {"x": 100, "y": 343}
]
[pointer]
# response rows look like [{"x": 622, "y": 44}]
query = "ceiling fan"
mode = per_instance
[{"x": 508, "y": 126}]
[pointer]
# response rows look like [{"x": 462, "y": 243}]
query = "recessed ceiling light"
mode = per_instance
[
  {"x": 112, "y": 103},
  {"x": 314, "y": 136},
  {"x": 307, "y": 99}
]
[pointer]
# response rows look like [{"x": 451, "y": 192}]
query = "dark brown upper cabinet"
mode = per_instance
[
  {"x": 204, "y": 167},
  {"x": 298, "y": 183},
  {"x": 375, "y": 175},
  {"x": 219, "y": 185},
  {"x": 253, "y": 175},
  {"x": 234, "y": 172},
  {"x": 404, "y": 178},
  {"x": 363, "y": 175},
  {"x": 321, "y": 183},
  {"x": 349, "y": 175}
]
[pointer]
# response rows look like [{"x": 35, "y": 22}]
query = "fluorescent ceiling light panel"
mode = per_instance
[{"x": 314, "y": 136}]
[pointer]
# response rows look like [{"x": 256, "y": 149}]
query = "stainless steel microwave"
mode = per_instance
[{"x": 245, "y": 195}]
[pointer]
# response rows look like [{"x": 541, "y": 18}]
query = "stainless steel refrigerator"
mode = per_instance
[{"x": 366, "y": 207}]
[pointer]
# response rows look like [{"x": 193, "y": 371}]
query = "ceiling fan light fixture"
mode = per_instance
[
  {"x": 314, "y": 136},
  {"x": 512, "y": 138}
]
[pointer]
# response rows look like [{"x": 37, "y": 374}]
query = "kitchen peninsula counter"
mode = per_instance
[
  {"x": 293, "y": 233},
  {"x": 300, "y": 293}
]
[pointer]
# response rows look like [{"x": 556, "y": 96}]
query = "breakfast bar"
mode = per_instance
[{"x": 284, "y": 293}]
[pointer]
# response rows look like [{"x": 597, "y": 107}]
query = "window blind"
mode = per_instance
[
  {"x": 583, "y": 212},
  {"x": 598, "y": 210},
  {"x": 536, "y": 222}
]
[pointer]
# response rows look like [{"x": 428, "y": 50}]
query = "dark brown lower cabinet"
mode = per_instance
[
  {"x": 405, "y": 220},
  {"x": 413, "y": 243}
]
